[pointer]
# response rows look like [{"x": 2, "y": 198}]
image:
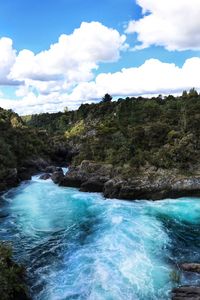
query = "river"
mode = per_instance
[{"x": 82, "y": 246}]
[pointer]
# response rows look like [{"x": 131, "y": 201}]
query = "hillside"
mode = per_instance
[
  {"x": 23, "y": 149},
  {"x": 131, "y": 133}
]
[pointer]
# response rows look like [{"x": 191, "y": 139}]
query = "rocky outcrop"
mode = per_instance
[
  {"x": 190, "y": 267},
  {"x": 89, "y": 176},
  {"x": 57, "y": 176},
  {"x": 150, "y": 184},
  {"x": 13, "y": 176},
  {"x": 45, "y": 176},
  {"x": 186, "y": 293},
  {"x": 94, "y": 184}
]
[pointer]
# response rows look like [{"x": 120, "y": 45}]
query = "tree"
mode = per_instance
[
  {"x": 66, "y": 109},
  {"x": 193, "y": 93},
  {"x": 106, "y": 98},
  {"x": 185, "y": 95}
]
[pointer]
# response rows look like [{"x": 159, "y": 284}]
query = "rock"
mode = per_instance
[
  {"x": 190, "y": 267},
  {"x": 36, "y": 164},
  {"x": 72, "y": 181},
  {"x": 93, "y": 185},
  {"x": 112, "y": 188},
  {"x": 52, "y": 169},
  {"x": 12, "y": 178},
  {"x": 57, "y": 177},
  {"x": 186, "y": 293},
  {"x": 149, "y": 183},
  {"x": 186, "y": 187},
  {"x": 45, "y": 176},
  {"x": 89, "y": 176}
]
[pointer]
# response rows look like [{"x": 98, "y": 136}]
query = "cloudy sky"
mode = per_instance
[{"x": 67, "y": 52}]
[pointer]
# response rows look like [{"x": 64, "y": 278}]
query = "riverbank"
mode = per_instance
[{"x": 148, "y": 184}]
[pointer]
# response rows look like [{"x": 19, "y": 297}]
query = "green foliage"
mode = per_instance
[
  {"x": 19, "y": 142},
  {"x": 12, "y": 285},
  {"x": 162, "y": 131},
  {"x": 76, "y": 130},
  {"x": 107, "y": 98}
]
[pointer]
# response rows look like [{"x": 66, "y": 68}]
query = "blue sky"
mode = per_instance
[{"x": 32, "y": 76}]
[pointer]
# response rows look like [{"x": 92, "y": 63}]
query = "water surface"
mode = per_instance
[{"x": 81, "y": 246}]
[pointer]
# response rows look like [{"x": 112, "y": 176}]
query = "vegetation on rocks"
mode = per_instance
[{"x": 12, "y": 285}]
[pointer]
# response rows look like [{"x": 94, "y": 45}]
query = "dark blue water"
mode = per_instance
[{"x": 81, "y": 246}]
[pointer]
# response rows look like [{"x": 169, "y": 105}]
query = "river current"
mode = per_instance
[{"x": 82, "y": 246}]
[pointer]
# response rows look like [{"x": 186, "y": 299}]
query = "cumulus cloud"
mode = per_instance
[
  {"x": 173, "y": 24},
  {"x": 63, "y": 75},
  {"x": 7, "y": 59},
  {"x": 151, "y": 78},
  {"x": 53, "y": 73},
  {"x": 73, "y": 57}
]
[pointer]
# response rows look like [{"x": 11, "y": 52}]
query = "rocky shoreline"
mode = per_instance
[{"x": 150, "y": 184}]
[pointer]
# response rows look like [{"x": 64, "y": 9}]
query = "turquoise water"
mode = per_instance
[{"x": 81, "y": 246}]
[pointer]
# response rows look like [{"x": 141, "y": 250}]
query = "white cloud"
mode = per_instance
[
  {"x": 151, "y": 78},
  {"x": 53, "y": 73},
  {"x": 73, "y": 58},
  {"x": 173, "y": 24},
  {"x": 64, "y": 74},
  {"x": 7, "y": 59}
]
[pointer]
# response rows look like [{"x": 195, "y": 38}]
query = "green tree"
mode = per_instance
[{"x": 107, "y": 98}]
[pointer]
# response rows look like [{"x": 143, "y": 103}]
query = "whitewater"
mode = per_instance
[{"x": 78, "y": 245}]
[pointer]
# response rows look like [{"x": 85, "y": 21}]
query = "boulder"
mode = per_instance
[
  {"x": 57, "y": 177},
  {"x": 113, "y": 187},
  {"x": 72, "y": 181},
  {"x": 190, "y": 267},
  {"x": 186, "y": 293},
  {"x": 45, "y": 176}
]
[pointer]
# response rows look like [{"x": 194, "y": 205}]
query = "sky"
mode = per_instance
[{"x": 57, "y": 54}]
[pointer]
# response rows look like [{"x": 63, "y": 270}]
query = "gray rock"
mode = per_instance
[
  {"x": 45, "y": 176},
  {"x": 92, "y": 185},
  {"x": 150, "y": 184},
  {"x": 57, "y": 177},
  {"x": 52, "y": 169},
  {"x": 186, "y": 293},
  {"x": 190, "y": 267}
]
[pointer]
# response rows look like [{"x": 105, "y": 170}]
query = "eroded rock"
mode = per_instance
[
  {"x": 190, "y": 267},
  {"x": 186, "y": 293}
]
